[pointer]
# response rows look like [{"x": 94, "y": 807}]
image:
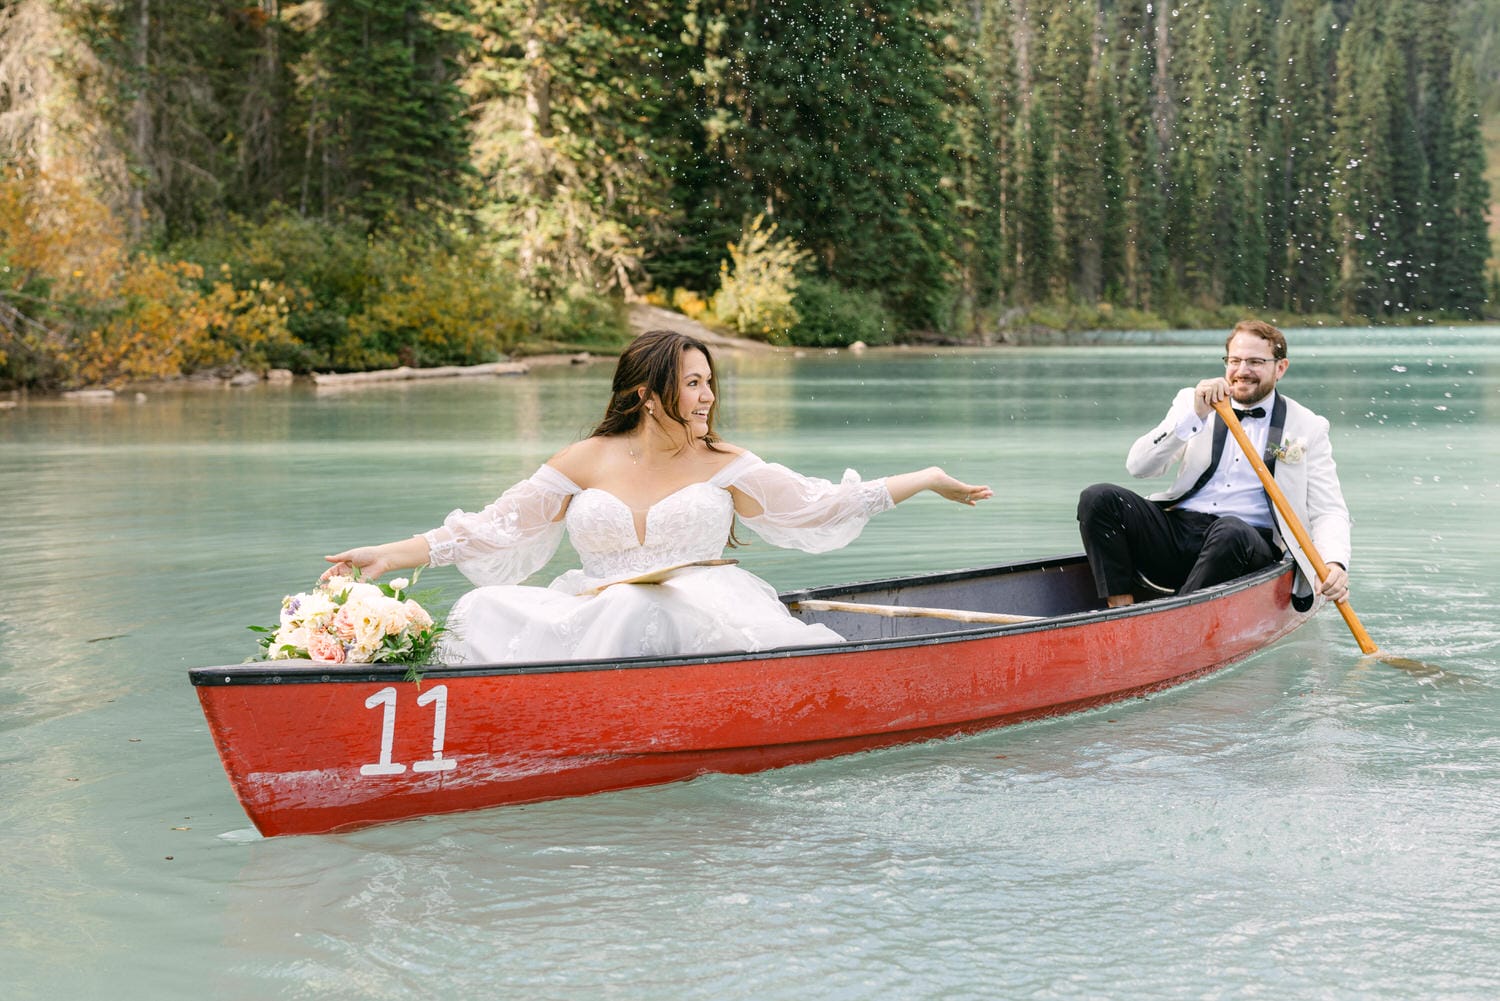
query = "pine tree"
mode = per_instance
[
  {"x": 1066, "y": 76},
  {"x": 1204, "y": 217},
  {"x": 200, "y": 97},
  {"x": 1113, "y": 210},
  {"x": 1305, "y": 46},
  {"x": 1433, "y": 60},
  {"x": 56, "y": 95},
  {"x": 832, "y": 117},
  {"x": 1361, "y": 197},
  {"x": 1467, "y": 232},
  {"x": 573, "y": 113},
  {"x": 991, "y": 65},
  {"x": 709, "y": 194},
  {"x": 1133, "y": 62},
  {"x": 1406, "y": 237},
  {"x": 1037, "y": 241},
  {"x": 386, "y": 137},
  {"x": 1248, "y": 58}
]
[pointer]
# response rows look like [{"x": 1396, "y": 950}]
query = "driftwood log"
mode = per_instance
[{"x": 405, "y": 373}]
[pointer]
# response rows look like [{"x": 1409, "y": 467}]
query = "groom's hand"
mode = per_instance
[{"x": 1207, "y": 393}]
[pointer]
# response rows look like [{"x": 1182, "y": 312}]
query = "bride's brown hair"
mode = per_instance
[{"x": 652, "y": 364}]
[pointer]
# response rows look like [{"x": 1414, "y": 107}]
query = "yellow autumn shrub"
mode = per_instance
[
  {"x": 689, "y": 303},
  {"x": 79, "y": 308},
  {"x": 60, "y": 249},
  {"x": 246, "y": 325},
  {"x": 758, "y": 283},
  {"x": 154, "y": 321}
]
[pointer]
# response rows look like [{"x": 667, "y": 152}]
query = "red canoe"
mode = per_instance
[{"x": 312, "y": 748}]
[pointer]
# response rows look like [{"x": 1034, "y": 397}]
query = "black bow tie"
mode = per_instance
[{"x": 1252, "y": 412}]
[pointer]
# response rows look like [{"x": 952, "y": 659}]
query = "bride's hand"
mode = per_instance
[
  {"x": 369, "y": 560},
  {"x": 372, "y": 561},
  {"x": 904, "y": 485},
  {"x": 949, "y": 488}
]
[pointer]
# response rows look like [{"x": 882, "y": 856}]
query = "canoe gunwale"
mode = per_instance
[{"x": 295, "y": 672}]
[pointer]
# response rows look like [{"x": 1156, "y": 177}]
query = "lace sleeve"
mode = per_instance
[
  {"x": 803, "y": 512},
  {"x": 512, "y": 538}
]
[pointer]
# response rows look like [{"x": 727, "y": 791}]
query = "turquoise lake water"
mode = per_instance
[{"x": 1306, "y": 824}]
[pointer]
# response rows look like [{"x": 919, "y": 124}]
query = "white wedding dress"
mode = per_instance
[{"x": 701, "y": 610}]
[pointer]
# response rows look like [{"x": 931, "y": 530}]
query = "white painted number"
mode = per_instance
[
  {"x": 437, "y": 763},
  {"x": 386, "y": 697}
]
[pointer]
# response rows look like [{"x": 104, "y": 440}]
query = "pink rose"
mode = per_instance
[
  {"x": 326, "y": 648},
  {"x": 416, "y": 615},
  {"x": 343, "y": 624}
]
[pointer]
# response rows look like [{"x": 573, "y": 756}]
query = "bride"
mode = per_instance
[{"x": 653, "y": 487}]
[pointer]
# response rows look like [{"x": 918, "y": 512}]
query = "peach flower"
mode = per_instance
[{"x": 325, "y": 648}]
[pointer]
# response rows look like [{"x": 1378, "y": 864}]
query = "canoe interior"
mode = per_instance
[
  {"x": 1045, "y": 588},
  {"x": 1055, "y": 588}
]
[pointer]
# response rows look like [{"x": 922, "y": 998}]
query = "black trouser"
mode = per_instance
[{"x": 1125, "y": 535}]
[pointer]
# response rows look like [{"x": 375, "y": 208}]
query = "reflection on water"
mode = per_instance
[{"x": 1306, "y": 824}]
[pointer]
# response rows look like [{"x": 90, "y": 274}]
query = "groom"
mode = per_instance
[{"x": 1215, "y": 522}]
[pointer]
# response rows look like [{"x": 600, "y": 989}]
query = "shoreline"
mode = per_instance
[{"x": 640, "y": 318}]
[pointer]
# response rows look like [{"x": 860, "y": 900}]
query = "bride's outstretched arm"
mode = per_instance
[
  {"x": 815, "y": 515},
  {"x": 373, "y": 561},
  {"x": 905, "y": 485},
  {"x": 508, "y": 540}
]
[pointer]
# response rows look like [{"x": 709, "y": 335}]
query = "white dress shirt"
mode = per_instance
[{"x": 1234, "y": 488}]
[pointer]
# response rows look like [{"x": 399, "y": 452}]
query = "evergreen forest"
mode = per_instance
[{"x": 212, "y": 185}]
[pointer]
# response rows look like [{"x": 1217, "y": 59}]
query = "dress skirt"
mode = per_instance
[{"x": 705, "y": 610}]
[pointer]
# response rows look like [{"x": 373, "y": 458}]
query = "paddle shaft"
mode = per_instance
[
  {"x": 911, "y": 611},
  {"x": 1226, "y": 414}
]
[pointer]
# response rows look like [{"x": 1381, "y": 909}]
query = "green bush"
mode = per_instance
[
  {"x": 431, "y": 306},
  {"x": 359, "y": 302},
  {"x": 1068, "y": 316},
  {"x": 831, "y": 316},
  {"x": 579, "y": 319},
  {"x": 324, "y": 266},
  {"x": 755, "y": 296},
  {"x": 1188, "y": 316}
]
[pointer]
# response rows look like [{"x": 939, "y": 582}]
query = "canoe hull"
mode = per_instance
[{"x": 312, "y": 749}]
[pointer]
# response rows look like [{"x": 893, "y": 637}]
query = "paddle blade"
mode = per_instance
[{"x": 1423, "y": 671}]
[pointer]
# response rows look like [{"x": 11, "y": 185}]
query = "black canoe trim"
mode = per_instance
[{"x": 297, "y": 672}]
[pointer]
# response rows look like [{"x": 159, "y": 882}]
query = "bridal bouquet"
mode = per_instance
[{"x": 349, "y": 620}]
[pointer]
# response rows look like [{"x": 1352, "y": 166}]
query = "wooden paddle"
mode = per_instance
[
  {"x": 1226, "y": 414},
  {"x": 911, "y": 611}
]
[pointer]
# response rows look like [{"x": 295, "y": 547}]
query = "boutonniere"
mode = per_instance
[{"x": 1293, "y": 451}]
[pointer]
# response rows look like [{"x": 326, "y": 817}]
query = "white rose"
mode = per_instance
[
  {"x": 364, "y": 592},
  {"x": 294, "y": 635},
  {"x": 360, "y": 653},
  {"x": 374, "y": 618},
  {"x": 315, "y": 608},
  {"x": 381, "y": 606},
  {"x": 400, "y": 584},
  {"x": 337, "y": 584}
]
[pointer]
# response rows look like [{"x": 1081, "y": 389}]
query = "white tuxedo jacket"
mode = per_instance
[{"x": 1311, "y": 485}]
